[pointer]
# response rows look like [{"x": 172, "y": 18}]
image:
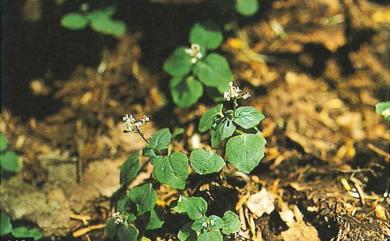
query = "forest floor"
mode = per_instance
[{"x": 316, "y": 79}]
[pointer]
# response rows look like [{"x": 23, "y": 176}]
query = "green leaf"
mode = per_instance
[
  {"x": 154, "y": 221},
  {"x": 178, "y": 63},
  {"x": 206, "y": 162},
  {"x": 9, "y": 162},
  {"x": 144, "y": 197},
  {"x": 74, "y": 21},
  {"x": 172, "y": 170},
  {"x": 109, "y": 26},
  {"x": 207, "y": 119},
  {"x": 187, "y": 92},
  {"x": 231, "y": 223},
  {"x": 100, "y": 13},
  {"x": 177, "y": 132},
  {"x": 123, "y": 204},
  {"x": 224, "y": 129},
  {"x": 211, "y": 236},
  {"x": 247, "y": 7},
  {"x": 127, "y": 233},
  {"x": 5, "y": 224},
  {"x": 214, "y": 71},
  {"x": 195, "y": 207},
  {"x": 200, "y": 224},
  {"x": 245, "y": 151},
  {"x": 160, "y": 140},
  {"x": 247, "y": 117},
  {"x": 206, "y": 34},
  {"x": 383, "y": 108},
  {"x": 3, "y": 142},
  {"x": 26, "y": 232},
  {"x": 214, "y": 223},
  {"x": 186, "y": 233},
  {"x": 130, "y": 168},
  {"x": 111, "y": 228}
]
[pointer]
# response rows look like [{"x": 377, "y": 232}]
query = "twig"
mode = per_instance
[
  {"x": 88, "y": 229},
  {"x": 379, "y": 151}
]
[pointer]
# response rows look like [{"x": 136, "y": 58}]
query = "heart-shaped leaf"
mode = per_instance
[
  {"x": 207, "y": 119},
  {"x": 172, "y": 170},
  {"x": 154, "y": 221},
  {"x": 224, "y": 129},
  {"x": 245, "y": 151},
  {"x": 178, "y": 63},
  {"x": 206, "y": 34},
  {"x": 144, "y": 197},
  {"x": 214, "y": 71},
  {"x": 231, "y": 223},
  {"x": 127, "y": 233},
  {"x": 195, "y": 207},
  {"x": 206, "y": 162},
  {"x": 74, "y": 21},
  {"x": 160, "y": 140},
  {"x": 247, "y": 117},
  {"x": 211, "y": 236},
  {"x": 9, "y": 162},
  {"x": 186, "y": 93},
  {"x": 130, "y": 168}
]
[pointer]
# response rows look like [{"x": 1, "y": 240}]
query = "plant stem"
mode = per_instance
[{"x": 142, "y": 135}]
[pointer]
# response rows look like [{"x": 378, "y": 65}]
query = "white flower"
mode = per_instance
[
  {"x": 194, "y": 53},
  {"x": 130, "y": 124},
  {"x": 119, "y": 218},
  {"x": 234, "y": 93}
]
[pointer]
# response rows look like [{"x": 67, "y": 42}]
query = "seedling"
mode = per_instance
[
  {"x": 8, "y": 159},
  {"x": 99, "y": 20},
  {"x": 135, "y": 211}
]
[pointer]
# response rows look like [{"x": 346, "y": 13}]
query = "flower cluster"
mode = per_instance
[
  {"x": 234, "y": 93},
  {"x": 130, "y": 124},
  {"x": 119, "y": 218},
  {"x": 194, "y": 53}
]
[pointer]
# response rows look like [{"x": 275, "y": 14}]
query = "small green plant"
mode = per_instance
[
  {"x": 99, "y": 20},
  {"x": 8, "y": 159},
  {"x": 18, "y": 232},
  {"x": 135, "y": 211},
  {"x": 195, "y": 67},
  {"x": 383, "y": 108},
  {"x": 201, "y": 226}
]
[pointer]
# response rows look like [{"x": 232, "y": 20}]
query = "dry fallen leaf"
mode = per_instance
[{"x": 260, "y": 203}]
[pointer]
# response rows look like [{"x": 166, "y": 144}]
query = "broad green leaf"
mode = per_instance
[
  {"x": 245, "y": 151},
  {"x": 144, "y": 197},
  {"x": 224, "y": 129},
  {"x": 111, "y": 228},
  {"x": 231, "y": 223},
  {"x": 247, "y": 117},
  {"x": 3, "y": 142},
  {"x": 172, "y": 170},
  {"x": 214, "y": 223},
  {"x": 127, "y": 233},
  {"x": 130, "y": 168},
  {"x": 195, "y": 207},
  {"x": 154, "y": 221},
  {"x": 186, "y": 233},
  {"x": 25, "y": 232},
  {"x": 123, "y": 204},
  {"x": 206, "y": 34},
  {"x": 5, "y": 224},
  {"x": 100, "y": 13},
  {"x": 106, "y": 25},
  {"x": 214, "y": 71},
  {"x": 187, "y": 92},
  {"x": 206, "y": 162},
  {"x": 160, "y": 140},
  {"x": 211, "y": 236},
  {"x": 9, "y": 162},
  {"x": 200, "y": 224},
  {"x": 383, "y": 108},
  {"x": 178, "y": 63},
  {"x": 74, "y": 21},
  {"x": 207, "y": 119},
  {"x": 247, "y": 7}
]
